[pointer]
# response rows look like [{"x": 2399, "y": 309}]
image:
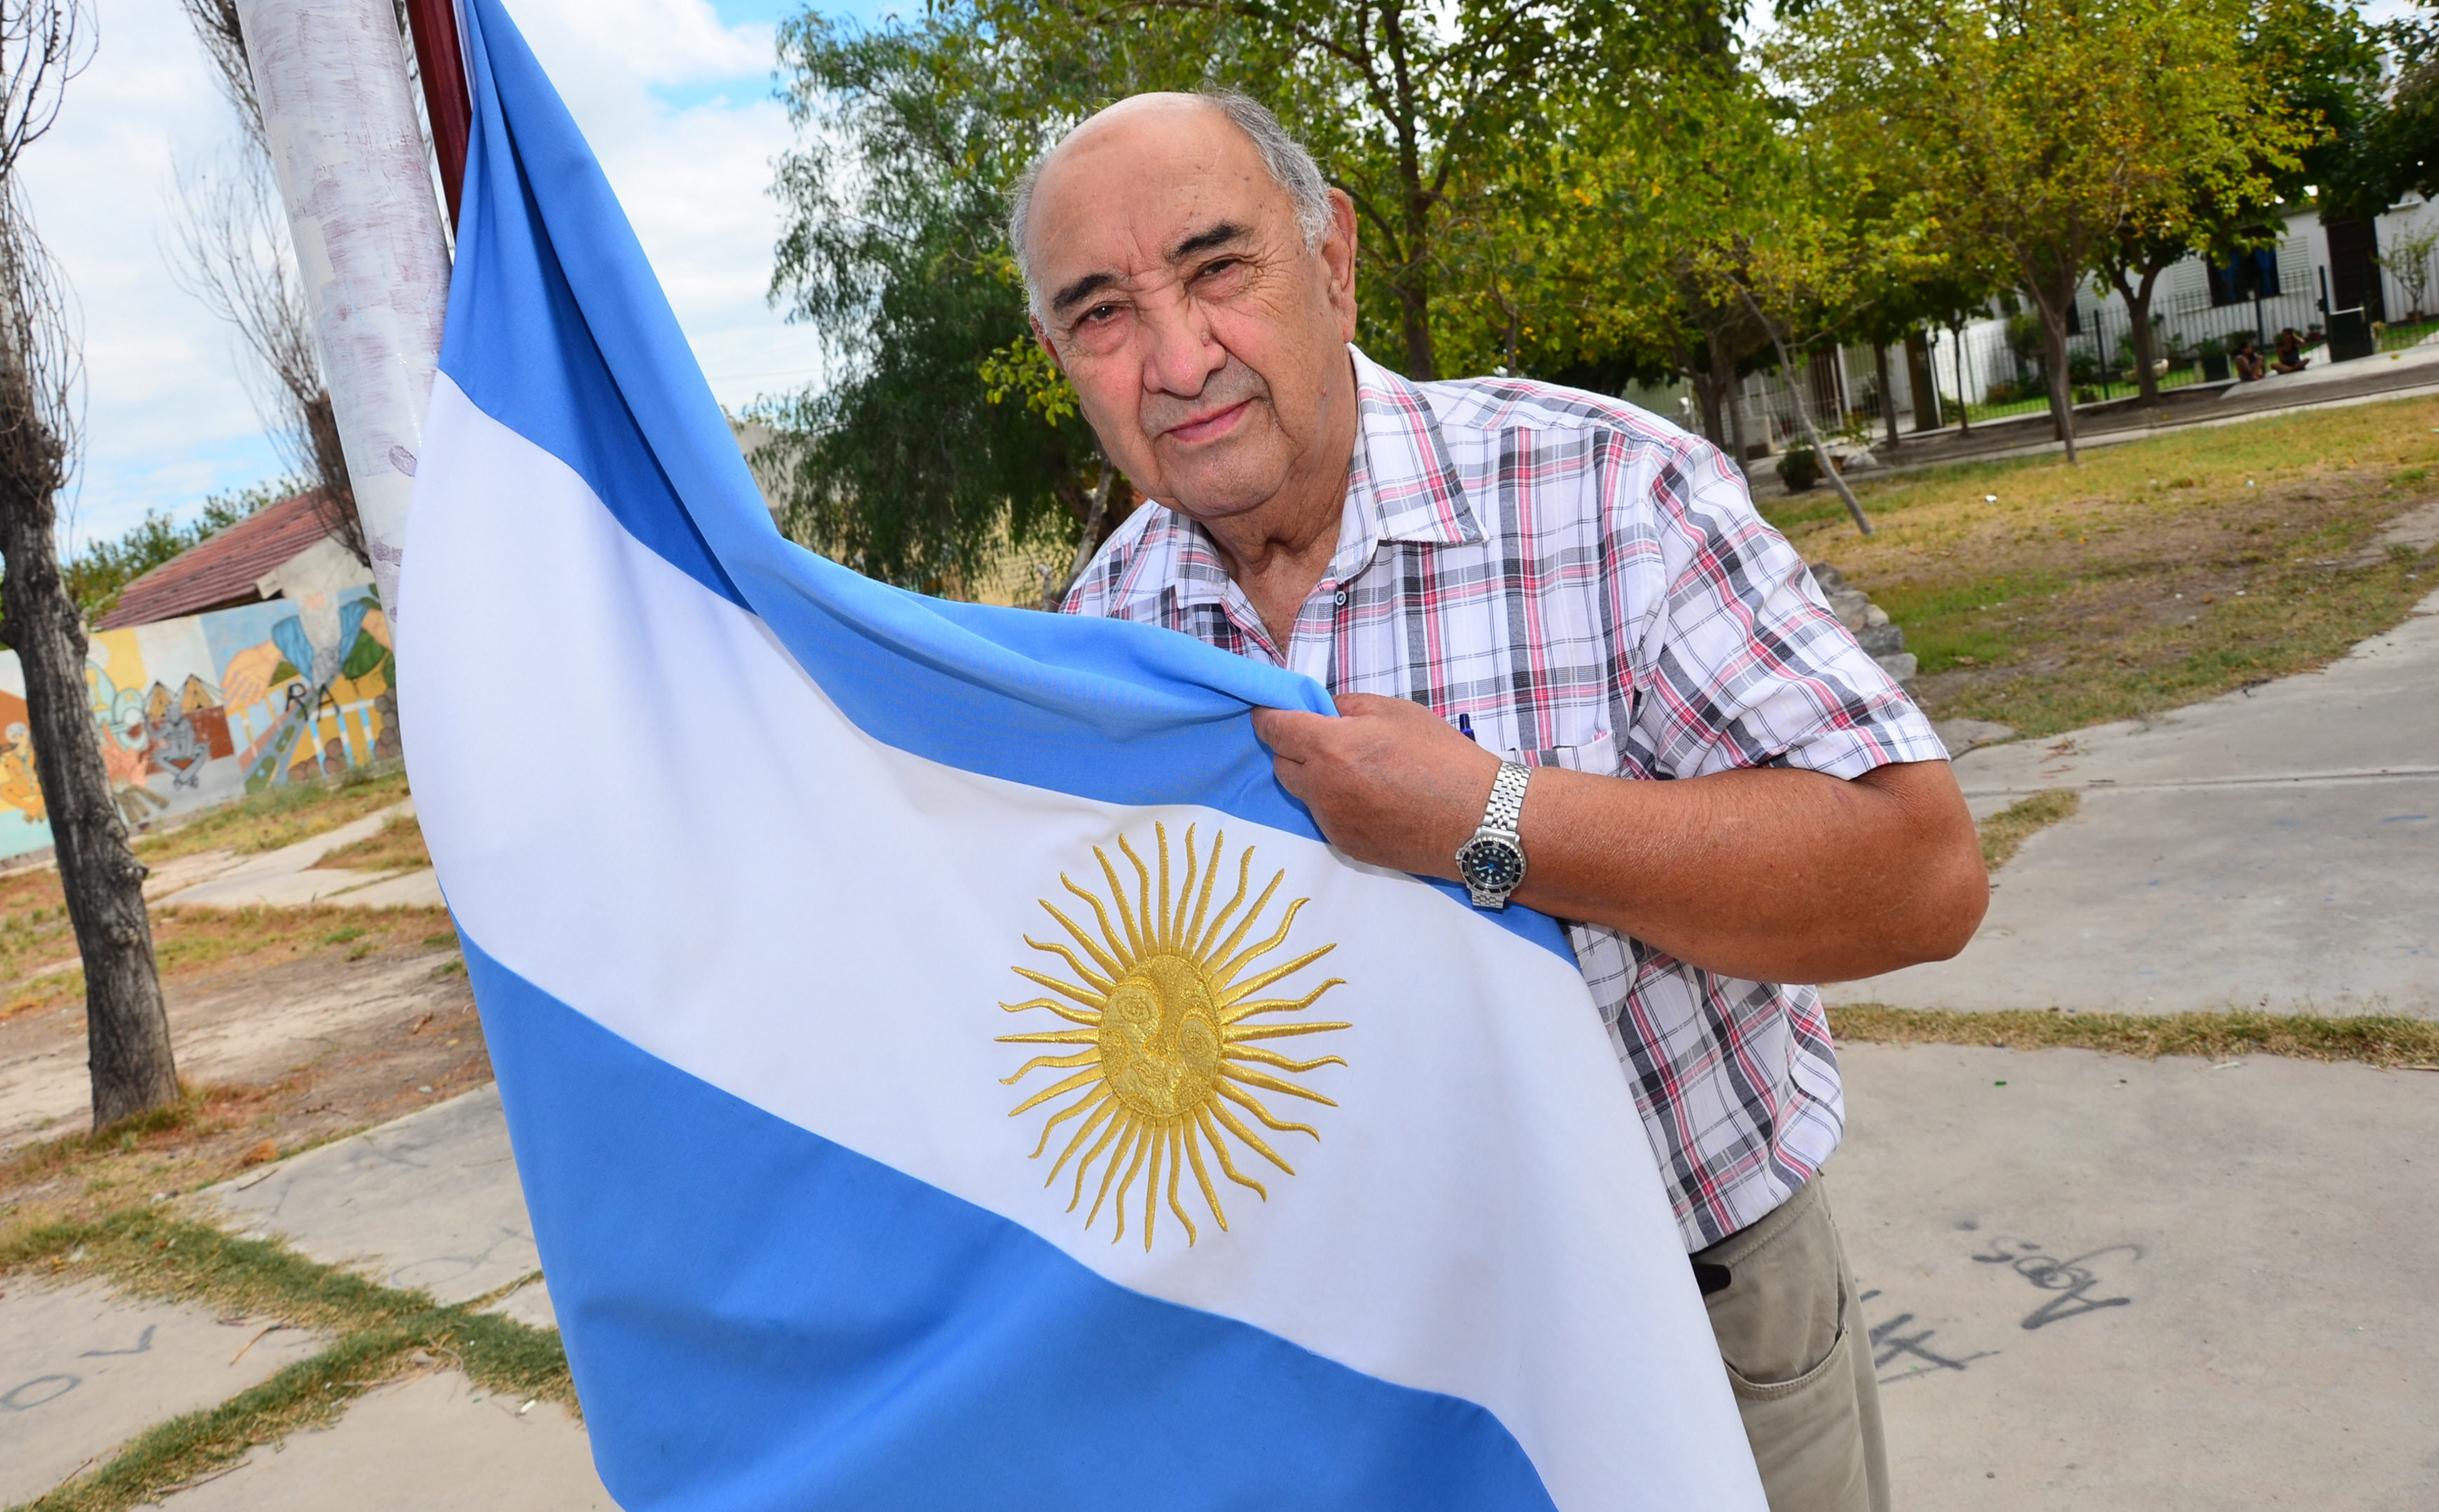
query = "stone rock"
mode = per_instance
[
  {"x": 1830, "y": 578},
  {"x": 1874, "y": 618},
  {"x": 1899, "y": 667},
  {"x": 1850, "y": 607},
  {"x": 1960, "y": 736},
  {"x": 1881, "y": 641}
]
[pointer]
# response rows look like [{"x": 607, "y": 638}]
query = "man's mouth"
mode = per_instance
[{"x": 1208, "y": 427}]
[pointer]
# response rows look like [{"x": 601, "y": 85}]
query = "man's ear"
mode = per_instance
[
  {"x": 1337, "y": 256},
  {"x": 1042, "y": 339}
]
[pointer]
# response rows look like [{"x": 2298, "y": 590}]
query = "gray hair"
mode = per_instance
[{"x": 1291, "y": 167}]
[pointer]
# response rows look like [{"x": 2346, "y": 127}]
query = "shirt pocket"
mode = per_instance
[{"x": 1596, "y": 753}]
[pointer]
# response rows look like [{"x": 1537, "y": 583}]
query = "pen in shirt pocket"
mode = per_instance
[{"x": 1464, "y": 727}]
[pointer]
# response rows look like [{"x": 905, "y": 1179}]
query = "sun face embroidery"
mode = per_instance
[{"x": 1168, "y": 1031}]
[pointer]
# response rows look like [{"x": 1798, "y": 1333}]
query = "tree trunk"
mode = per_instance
[
  {"x": 1964, "y": 397},
  {"x": 1414, "y": 306},
  {"x": 2138, "y": 306},
  {"x": 1922, "y": 377},
  {"x": 1723, "y": 379},
  {"x": 127, "y": 1030},
  {"x": 1804, "y": 416},
  {"x": 2061, "y": 395},
  {"x": 1706, "y": 400},
  {"x": 337, "y": 506},
  {"x": 1888, "y": 395}
]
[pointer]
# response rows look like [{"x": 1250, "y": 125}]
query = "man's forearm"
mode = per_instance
[
  {"x": 1773, "y": 873},
  {"x": 1770, "y": 874}
]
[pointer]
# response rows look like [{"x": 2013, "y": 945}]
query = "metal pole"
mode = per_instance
[{"x": 331, "y": 76}]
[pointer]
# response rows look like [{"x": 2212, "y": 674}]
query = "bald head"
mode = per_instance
[
  {"x": 1195, "y": 280},
  {"x": 1160, "y": 124}
]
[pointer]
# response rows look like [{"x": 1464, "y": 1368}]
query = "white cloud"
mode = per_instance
[{"x": 677, "y": 104}]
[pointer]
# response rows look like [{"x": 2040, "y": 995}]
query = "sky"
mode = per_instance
[{"x": 676, "y": 96}]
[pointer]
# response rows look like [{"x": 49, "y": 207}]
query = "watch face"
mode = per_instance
[{"x": 1490, "y": 865}]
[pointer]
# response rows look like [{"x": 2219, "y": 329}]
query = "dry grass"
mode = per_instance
[
  {"x": 189, "y": 942},
  {"x": 2155, "y": 573},
  {"x": 2382, "y": 1040},
  {"x": 399, "y": 847},
  {"x": 2004, "y": 832},
  {"x": 280, "y": 816}
]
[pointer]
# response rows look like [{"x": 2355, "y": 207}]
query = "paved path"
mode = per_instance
[
  {"x": 2129, "y": 1285},
  {"x": 2274, "y": 849},
  {"x": 288, "y": 877}
]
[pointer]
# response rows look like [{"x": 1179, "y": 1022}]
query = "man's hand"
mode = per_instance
[
  {"x": 1773, "y": 873},
  {"x": 1388, "y": 781}
]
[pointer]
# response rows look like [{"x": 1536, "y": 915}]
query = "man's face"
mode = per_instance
[{"x": 1207, "y": 345}]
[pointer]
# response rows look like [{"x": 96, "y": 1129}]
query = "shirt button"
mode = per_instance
[{"x": 1342, "y": 599}]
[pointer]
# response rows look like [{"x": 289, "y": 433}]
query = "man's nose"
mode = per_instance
[{"x": 1181, "y": 354}]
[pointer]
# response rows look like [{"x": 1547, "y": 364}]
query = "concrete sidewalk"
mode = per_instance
[
  {"x": 289, "y": 877},
  {"x": 2276, "y": 849}
]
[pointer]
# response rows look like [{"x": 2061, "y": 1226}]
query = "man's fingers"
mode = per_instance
[{"x": 1289, "y": 732}]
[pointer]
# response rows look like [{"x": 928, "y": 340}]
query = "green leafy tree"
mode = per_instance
[
  {"x": 934, "y": 446},
  {"x": 2042, "y": 129},
  {"x": 99, "y": 573}
]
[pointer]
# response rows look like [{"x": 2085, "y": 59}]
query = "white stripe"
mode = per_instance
[{"x": 641, "y": 804}]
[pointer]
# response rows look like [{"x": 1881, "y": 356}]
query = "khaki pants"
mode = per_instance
[{"x": 1790, "y": 1327}]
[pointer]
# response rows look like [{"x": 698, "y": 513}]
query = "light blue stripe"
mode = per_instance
[
  {"x": 758, "y": 1318},
  {"x": 559, "y": 331}
]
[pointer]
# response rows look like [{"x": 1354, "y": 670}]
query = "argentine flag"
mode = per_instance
[{"x": 947, "y": 1070}]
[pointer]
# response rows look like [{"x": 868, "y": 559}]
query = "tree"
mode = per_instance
[
  {"x": 234, "y": 253},
  {"x": 43, "y": 45},
  {"x": 2043, "y": 129},
  {"x": 1408, "y": 107},
  {"x": 97, "y": 575},
  {"x": 940, "y": 440}
]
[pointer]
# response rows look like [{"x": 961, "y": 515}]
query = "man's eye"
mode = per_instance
[
  {"x": 1098, "y": 315},
  {"x": 1222, "y": 265}
]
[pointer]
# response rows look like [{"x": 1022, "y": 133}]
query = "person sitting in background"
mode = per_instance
[
  {"x": 2247, "y": 357},
  {"x": 2291, "y": 352}
]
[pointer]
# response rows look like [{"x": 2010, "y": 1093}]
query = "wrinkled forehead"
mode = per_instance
[{"x": 1135, "y": 184}]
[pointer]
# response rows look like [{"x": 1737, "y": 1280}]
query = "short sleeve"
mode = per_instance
[{"x": 1736, "y": 658}]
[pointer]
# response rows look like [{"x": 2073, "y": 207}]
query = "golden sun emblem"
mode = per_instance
[{"x": 1167, "y": 1030}]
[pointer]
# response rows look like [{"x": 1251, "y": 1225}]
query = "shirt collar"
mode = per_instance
[{"x": 1402, "y": 485}]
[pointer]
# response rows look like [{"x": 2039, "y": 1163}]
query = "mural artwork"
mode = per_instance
[{"x": 199, "y": 710}]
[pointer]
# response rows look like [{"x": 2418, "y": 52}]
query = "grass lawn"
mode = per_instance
[
  {"x": 278, "y": 816},
  {"x": 2155, "y": 573}
]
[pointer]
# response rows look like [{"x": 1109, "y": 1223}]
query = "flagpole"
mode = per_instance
[
  {"x": 349, "y": 156},
  {"x": 440, "y": 65}
]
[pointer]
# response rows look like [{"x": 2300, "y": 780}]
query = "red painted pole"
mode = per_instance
[{"x": 442, "y": 67}]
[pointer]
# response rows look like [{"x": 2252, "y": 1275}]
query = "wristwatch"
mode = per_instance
[{"x": 1492, "y": 862}]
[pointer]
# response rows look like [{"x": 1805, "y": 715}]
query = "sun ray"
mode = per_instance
[
  {"x": 1253, "y": 985},
  {"x": 1276, "y": 1031},
  {"x": 1065, "y": 989},
  {"x": 1270, "y": 1083},
  {"x": 1084, "y": 973},
  {"x": 1237, "y": 1012},
  {"x": 1048, "y": 1092},
  {"x": 1220, "y": 1147},
  {"x": 1093, "y": 1036},
  {"x": 1098, "y": 1097},
  {"x": 1191, "y": 935},
  {"x": 1161, "y": 934},
  {"x": 1081, "y": 1058},
  {"x": 1071, "y": 1015},
  {"x": 1162, "y": 1055},
  {"x": 1118, "y": 1205},
  {"x": 1151, "y": 1184},
  {"x": 1143, "y": 894},
  {"x": 1237, "y": 934},
  {"x": 1175, "y": 924},
  {"x": 1084, "y": 1167},
  {"x": 1224, "y": 975},
  {"x": 1103, "y": 1106},
  {"x": 1191, "y": 1134},
  {"x": 1120, "y": 956},
  {"x": 1244, "y": 884},
  {"x": 1136, "y": 945},
  {"x": 1237, "y": 1127},
  {"x": 1272, "y": 1058},
  {"x": 1253, "y": 1105},
  {"x": 1128, "y": 1129}
]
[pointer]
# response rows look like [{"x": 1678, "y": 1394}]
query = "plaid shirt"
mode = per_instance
[{"x": 1593, "y": 589}]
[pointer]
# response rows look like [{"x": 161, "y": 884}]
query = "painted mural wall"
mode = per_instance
[{"x": 196, "y": 711}]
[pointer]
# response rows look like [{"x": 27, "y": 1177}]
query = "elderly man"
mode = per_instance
[{"x": 1572, "y": 667}]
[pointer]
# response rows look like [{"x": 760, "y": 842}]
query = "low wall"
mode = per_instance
[{"x": 196, "y": 711}]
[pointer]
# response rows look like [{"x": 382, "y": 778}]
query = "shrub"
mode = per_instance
[{"x": 1799, "y": 468}]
